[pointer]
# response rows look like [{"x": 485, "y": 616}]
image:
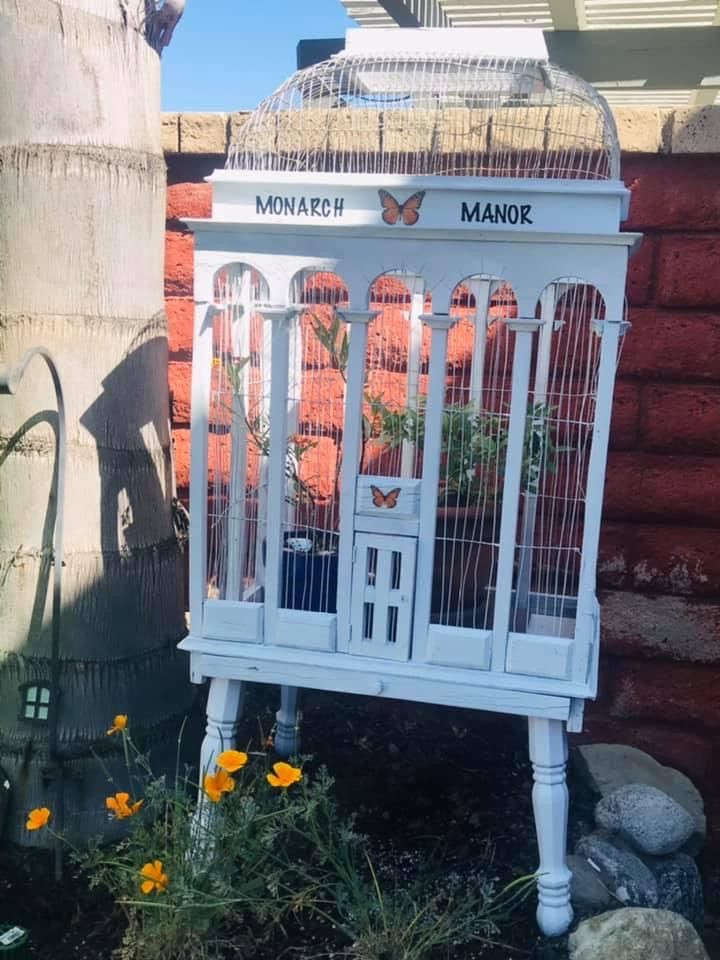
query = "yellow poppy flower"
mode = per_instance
[
  {"x": 218, "y": 783},
  {"x": 119, "y": 724},
  {"x": 154, "y": 878},
  {"x": 285, "y": 775},
  {"x": 38, "y": 818},
  {"x": 231, "y": 760},
  {"x": 120, "y": 805}
]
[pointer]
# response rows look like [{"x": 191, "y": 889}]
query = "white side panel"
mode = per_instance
[
  {"x": 534, "y": 655},
  {"x": 423, "y": 683},
  {"x": 305, "y": 630},
  {"x": 233, "y": 620},
  {"x": 459, "y": 647}
]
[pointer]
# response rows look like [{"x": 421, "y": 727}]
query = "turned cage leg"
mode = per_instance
[
  {"x": 548, "y": 753},
  {"x": 287, "y": 723},
  {"x": 224, "y": 706}
]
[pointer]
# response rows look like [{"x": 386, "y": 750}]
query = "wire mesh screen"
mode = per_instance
[
  {"x": 474, "y": 443},
  {"x": 559, "y": 431},
  {"x": 395, "y": 377},
  {"x": 316, "y": 398},
  {"x": 443, "y": 115},
  {"x": 238, "y": 437}
]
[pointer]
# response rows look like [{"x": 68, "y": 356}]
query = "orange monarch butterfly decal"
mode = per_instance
[
  {"x": 388, "y": 499},
  {"x": 407, "y": 212}
]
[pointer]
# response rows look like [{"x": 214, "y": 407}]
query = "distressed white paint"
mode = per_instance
[
  {"x": 524, "y": 331},
  {"x": 382, "y": 596},
  {"x": 539, "y": 666},
  {"x": 548, "y": 754},
  {"x": 358, "y": 321},
  {"x": 233, "y": 620},
  {"x": 440, "y": 325}
]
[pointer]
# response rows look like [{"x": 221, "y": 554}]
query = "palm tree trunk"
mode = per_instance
[{"x": 82, "y": 192}]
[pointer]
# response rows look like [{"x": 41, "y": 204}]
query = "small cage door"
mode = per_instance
[{"x": 382, "y": 595}]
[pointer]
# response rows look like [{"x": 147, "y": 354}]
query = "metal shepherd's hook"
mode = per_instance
[{"x": 9, "y": 383}]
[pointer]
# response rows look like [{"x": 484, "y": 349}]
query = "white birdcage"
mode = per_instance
[{"x": 409, "y": 306}]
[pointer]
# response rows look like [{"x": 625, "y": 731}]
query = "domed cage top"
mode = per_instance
[{"x": 440, "y": 114}]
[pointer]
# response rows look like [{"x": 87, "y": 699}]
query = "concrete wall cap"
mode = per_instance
[{"x": 642, "y": 130}]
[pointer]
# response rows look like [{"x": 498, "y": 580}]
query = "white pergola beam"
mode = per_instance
[
  {"x": 416, "y": 13},
  {"x": 568, "y": 14}
]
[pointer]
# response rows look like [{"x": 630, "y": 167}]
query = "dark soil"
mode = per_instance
[{"x": 423, "y": 780}]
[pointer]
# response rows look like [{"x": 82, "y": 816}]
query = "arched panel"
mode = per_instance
[
  {"x": 239, "y": 398},
  {"x": 395, "y": 375},
  {"x": 317, "y": 374},
  {"x": 475, "y": 423},
  {"x": 559, "y": 433}
]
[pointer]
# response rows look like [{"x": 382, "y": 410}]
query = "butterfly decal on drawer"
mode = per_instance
[{"x": 387, "y": 501}]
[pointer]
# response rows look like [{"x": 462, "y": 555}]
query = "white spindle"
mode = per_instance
[
  {"x": 548, "y": 754},
  {"x": 264, "y": 417},
  {"x": 524, "y": 330},
  {"x": 548, "y": 301},
  {"x": 610, "y": 331},
  {"x": 440, "y": 325},
  {"x": 200, "y": 387},
  {"x": 280, "y": 317},
  {"x": 352, "y": 445},
  {"x": 407, "y": 461},
  {"x": 294, "y": 388},
  {"x": 241, "y": 312}
]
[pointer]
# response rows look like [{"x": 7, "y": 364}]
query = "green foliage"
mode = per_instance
[
  {"x": 334, "y": 338},
  {"x": 220, "y": 860},
  {"x": 251, "y": 864},
  {"x": 383, "y": 917},
  {"x": 474, "y": 447}
]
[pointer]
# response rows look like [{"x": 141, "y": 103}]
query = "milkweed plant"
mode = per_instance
[{"x": 248, "y": 857}]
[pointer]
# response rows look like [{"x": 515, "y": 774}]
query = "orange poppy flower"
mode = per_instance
[
  {"x": 218, "y": 783},
  {"x": 231, "y": 760},
  {"x": 38, "y": 818},
  {"x": 119, "y": 724},
  {"x": 155, "y": 878},
  {"x": 284, "y": 776},
  {"x": 120, "y": 805}
]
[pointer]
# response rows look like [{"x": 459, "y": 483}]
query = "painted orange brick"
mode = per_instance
[
  {"x": 672, "y": 345},
  {"x": 688, "y": 270},
  {"x": 179, "y": 374},
  {"x": 643, "y": 691},
  {"x": 181, "y": 455},
  {"x": 681, "y": 418},
  {"x": 179, "y": 248},
  {"x": 180, "y": 318},
  {"x": 655, "y": 487},
  {"x": 660, "y": 558},
  {"x": 188, "y": 200},
  {"x": 672, "y": 192},
  {"x": 640, "y": 273}
]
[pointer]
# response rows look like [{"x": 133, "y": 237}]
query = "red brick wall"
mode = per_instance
[{"x": 660, "y": 561}]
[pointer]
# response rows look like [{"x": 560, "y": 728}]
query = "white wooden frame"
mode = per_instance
[{"x": 567, "y": 230}]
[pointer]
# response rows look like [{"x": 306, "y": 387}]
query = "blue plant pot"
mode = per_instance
[{"x": 309, "y": 581}]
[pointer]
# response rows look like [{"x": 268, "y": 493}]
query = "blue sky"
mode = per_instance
[{"x": 229, "y": 54}]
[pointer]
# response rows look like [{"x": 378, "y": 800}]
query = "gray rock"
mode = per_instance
[
  {"x": 623, "y": 873},
  {"x": 606, "y": 766},
  {"x": 679, "y": 886},
  {"x": 647, "y": 818},
  {"x": 633, "y": 934},
  {"x": 587, "y": 890}
]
